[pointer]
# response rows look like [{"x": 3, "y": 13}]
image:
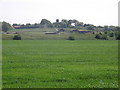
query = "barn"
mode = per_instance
[
  {"x": 50, "y": 33},
  {"x": 84, "y": 31}
]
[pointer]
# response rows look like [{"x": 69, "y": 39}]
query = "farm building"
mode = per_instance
[
  {"x": 84, "y": 31},
  {"x": 61, "y": 30},
  {"x": 12, "y": 32},
  {"x": 81, "y": 31},
  {"x": 50, "y": 33},
  {"x": 74, "y": 30},
  {"x": 17, "y": 26}
]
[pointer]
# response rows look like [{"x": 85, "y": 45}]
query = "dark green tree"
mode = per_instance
[
  {"x": 17, "y": 37},
  {"x": 46, "y": 23},
  {"x": 57, "y": 20},
  {"x": 102, "y": 37},
  {"x": 6, "y": 26},
  {"x": 111, "y": 34},
  {"x": 117, "y": 35},
  {"x": 98, "y": 36},
  {"x": 71, "y": 38}
]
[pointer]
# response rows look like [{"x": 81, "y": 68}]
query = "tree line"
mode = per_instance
[
  {"x": 58, "y": 24},
  {"x": 111, "y": 31}
]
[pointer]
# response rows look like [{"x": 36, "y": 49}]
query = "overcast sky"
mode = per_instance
[{"x": 97, "y": 12}]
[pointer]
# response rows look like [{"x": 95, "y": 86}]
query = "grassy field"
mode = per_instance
[
  {"x": 39, "y": 34},
  {"x": 0, "y": 63},
  {"x": 60, "y": 64}
]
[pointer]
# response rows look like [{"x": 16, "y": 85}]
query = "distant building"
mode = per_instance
[
  {"x": 74, "y": 30},
  {"x": 80, "y": 31},
  {"x": 50, "y": 33},
  {"x": 17, "y": 26},
  {"x": 60, "y": 30},
  {"x": 14, "y": 32},
  {"x": 84, "y": 31}
]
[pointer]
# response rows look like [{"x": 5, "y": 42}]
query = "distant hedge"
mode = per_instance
[
  {"x": 71, "y": 38},
  {"x": 102, "y": 37},
  {"x": 17, "y": 37}
]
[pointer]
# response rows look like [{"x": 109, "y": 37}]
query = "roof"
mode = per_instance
[
  {"x": 50, "y": 32},
  {"x": 84, "y": 30}
]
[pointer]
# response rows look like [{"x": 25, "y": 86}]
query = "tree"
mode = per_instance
[
  {"x": 17, "y": 37},
  {"x": 117, "y": 35},
  {"x": 112, "y": 28},
  {"x": 71, "y": 38},
  {"x": 57, "y": 20},
  {"x": 6, "y": 26},
  {"x": 111, "y": 34},
  {"x": 45, "y": 23},
  {"x": 98, "y": 36},
  {"x": 69, "y": 22},
  {"x": 90, "y": 27},
  {"x": 106, "y": 27},
  {"x": 57, "y": 24},
  {"x": 15, "y": 24},
  {"x": 64, "y": 23},
  {"x": 103, "y": 37},
  {"x": 106, "y": 32},
  {"x": 93, "y": 32},
  {"x": 79, "y": 24},
  {"x": 28, "y": 24}
]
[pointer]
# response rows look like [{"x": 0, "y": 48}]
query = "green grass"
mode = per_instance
[
  {"x": 60, "y": 64},
  {"x": 39, "y": 34},
  {"x": 0, "y": 64}
]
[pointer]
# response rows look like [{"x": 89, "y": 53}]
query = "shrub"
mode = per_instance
[
  {"x": 17, "y": 37},
  {"x": 71, "y": 38},
  {"x": 111, "y": 35},
  {"x": 106, "y": 32},
  {"x": 103, "y": 37},
  {"x": 118, "y": 38},
  {"x": 101, "y": 33},
  {"x": 117, "y": 35},
  {"x": 98, "y": 36},
  {"x": 93, "y": 32}
]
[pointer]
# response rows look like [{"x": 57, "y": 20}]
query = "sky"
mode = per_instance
[{"x": 97, "y": 12}]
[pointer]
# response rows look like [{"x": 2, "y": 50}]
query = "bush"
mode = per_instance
[
  {"x": 71, "y": 38},
  {"x": 103, "y": 37},
  {"x": 105, "y": 32},
  {"x": 118, "y": 38},
  {"x": 117, "y": 35},
  {"x": 111, "y": 35},
  {"x": 17, "y": 37},
  {"x": 101, "y": 33},
  {"x": 98, "y": 36}
]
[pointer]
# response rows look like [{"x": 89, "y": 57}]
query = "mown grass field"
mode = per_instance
[{"x": 60, "y": 64}]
